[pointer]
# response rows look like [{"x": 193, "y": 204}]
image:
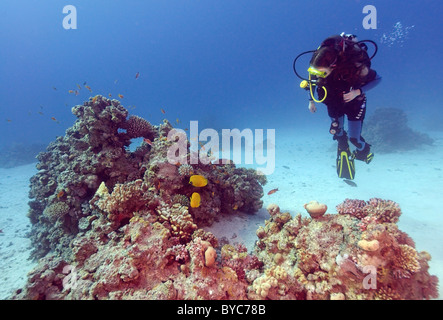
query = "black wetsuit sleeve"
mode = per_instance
[{"x": 370, "y": 81}]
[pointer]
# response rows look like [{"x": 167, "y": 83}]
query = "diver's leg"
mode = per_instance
[
  {"x": 339, "y": 134},
  {"x": 362, "y": 148},
  {"x": 345, "y": 160},
  {"x": 354, "y": 129},
  {"x": 356, "y": 115}
]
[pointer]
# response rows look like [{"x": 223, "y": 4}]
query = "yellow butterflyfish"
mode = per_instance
[
  {"x": 195, "y": 200},
  {"x": 198, "y": 180}
]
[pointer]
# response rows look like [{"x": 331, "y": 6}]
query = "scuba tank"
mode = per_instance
[{"x": 341, "y": 43}]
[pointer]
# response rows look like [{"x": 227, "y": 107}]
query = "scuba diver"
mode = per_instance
[{"x": 341, "y": 71}]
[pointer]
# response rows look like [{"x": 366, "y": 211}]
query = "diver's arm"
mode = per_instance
[
  {"x": 374, "y": 80},
  {"x": 312, "y": 106},
  {"x": 371, "y": 84}
]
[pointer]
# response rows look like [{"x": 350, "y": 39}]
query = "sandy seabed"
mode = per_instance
[{"x": 304, "y": 171}]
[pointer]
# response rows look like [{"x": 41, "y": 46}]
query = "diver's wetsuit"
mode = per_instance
[{"x": 355, "y": 109}]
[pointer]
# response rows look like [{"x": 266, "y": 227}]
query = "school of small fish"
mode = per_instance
[{"x": 77, "y": 90}]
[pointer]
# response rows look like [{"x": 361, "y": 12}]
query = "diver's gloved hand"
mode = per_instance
[
  {"x": 312, "y": 107},
  {"x": 351, "y": 95}
]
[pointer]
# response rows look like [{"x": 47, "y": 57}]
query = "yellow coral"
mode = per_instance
[
  {"x": 263, "y": 284},
  {"x": 102, "y": 190},
  {"x": 386, "y": 293},
  {"x": 408, "y": 259},
  {"x": 366, "y": 245},
  {"x": 277, "y": 272},
  {"x": 210, "y": 256}
]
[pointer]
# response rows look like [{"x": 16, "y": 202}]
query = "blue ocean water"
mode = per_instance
[{"x": 227, "y": 64}]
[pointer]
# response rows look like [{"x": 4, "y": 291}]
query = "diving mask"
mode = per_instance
[{"x": 315, "y": 72}]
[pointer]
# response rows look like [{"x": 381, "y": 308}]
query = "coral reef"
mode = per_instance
[
  {"x": 329, "y": 257},
  {"x": 315, "y": 209},
  {"x": 92, "y": 197},
  {"x": 333, "y": 256},
  {"x": 137, "y": 127},
  {"x": 113, "y": 224},
  {"x": 388, "y": 131}
]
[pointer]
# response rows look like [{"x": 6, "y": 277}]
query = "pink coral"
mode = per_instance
[
  {"x": 352, "y": 207},
  {"x": 366, "y": 221},
  {"x": 382, "y": 210}
]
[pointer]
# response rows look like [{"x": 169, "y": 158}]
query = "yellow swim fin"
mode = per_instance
[{"x": 345, "y": 164}]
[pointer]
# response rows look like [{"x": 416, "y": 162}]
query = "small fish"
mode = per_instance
[
  {"x": 195, "y": 200},
  {"x": 137, "y": 75},
  {"x": 53, "y": 119},
  {"x": 148, "y": 141},
  {"x": 9, "y": 120},
  {"x": 84, "y": 83},
  {"x": 109, "y": 95},
  {"x": 54, "y": 88},
  {"x": 177, "y": 120},
  {"x": 120, "y": 96},
  {"x": 88, "y": 87},
  {"x": 71, "y": 91},
  {"x": 60, "y": 194},
  {"x": 116, "y": 81},
  {"x": 198, "y": 180},
  {"x": 76, "y": 92},
  {"x": 79, "y": 87},
  {"x": 272, "y": 191},
  {"x": 94, "y": 99},
  {"x": 351, "y": 183},
  {"x": 163, "y": 111},
  {"x": 40, "y": 113}
]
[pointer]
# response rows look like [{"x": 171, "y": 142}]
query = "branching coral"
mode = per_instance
[
  {"x": 137, "y": 127},
  {"x": 181, "y": 223},
  {"x": 380, "y": 210},
  {"x": 124, "y": 200}
]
